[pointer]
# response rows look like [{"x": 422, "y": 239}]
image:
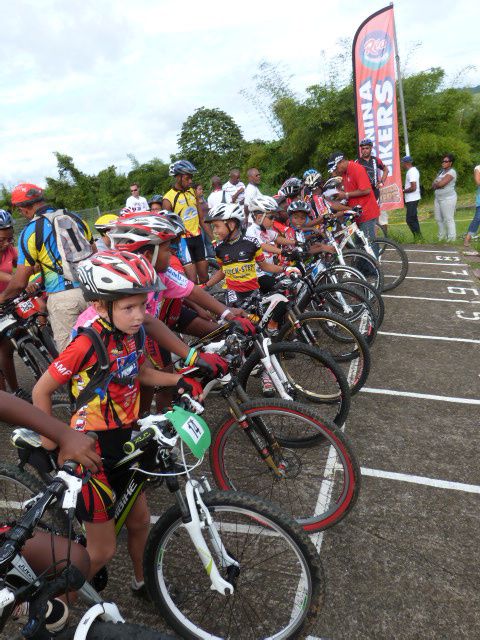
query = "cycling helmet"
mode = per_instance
[
  {"x": 366, "y": 142},
  {"x": 309, "y": 172},
  {"x": 175, "y": 219},
  {"x": 313, "y": 180},
  {"x": 6, "y": 220},
  {"x": 263, "y": 204},
  {"x": 111, "y": 275},
  {"x": 25, "y": 194},
  {"x": 127, "y": 211},
  {"x": 131, "y": 233},
  {"x": 299, "y": 205},
  {"x": 291, "y": 187},
  {"x": 225, "y": 212},
  {"x": 181, "y": 167},
  {"x": 105, "y": 222},
  {"x": 156, "y": 199}
]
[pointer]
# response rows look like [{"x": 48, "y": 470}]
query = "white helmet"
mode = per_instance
[
  {"x": 225, "y": 212},
  {"x": 110, "y": 275},
  {"x": 313, "y": 180},
  {"x": 130, "y": 233},
  {"x": 263, "y": 204}
]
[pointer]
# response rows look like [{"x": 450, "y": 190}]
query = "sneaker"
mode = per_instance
[
  {"x": 56, "y": 617},
  {"x": 268, "y": 390},
  {"x": 139, "y": 590}
]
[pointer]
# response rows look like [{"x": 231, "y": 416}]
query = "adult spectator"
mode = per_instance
[
  {"x": 182, "y": 200},
  {"x": 374, "y": 166},
  {"x": 37, "y": 246},
  {"x": 475, "y": 223},
  {"x": 446, "y": 199},
  {"x": 207, "y": 235},
  {"x": 412, "y": 196},
  {"x": 235, "y": 187},
  {"x": 218, "y": 194},
  {"x": 135, "y": 201},
  {"x": 357, "y": 190},
  {"x": 251, "y": 190}
]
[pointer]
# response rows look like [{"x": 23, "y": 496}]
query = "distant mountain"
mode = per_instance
[{"x": 475, "y": 89}]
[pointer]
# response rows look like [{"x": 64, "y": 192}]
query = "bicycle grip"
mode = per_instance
[
  {"x": 71, "y": 465},
  {"x": 139, "y": 441}
]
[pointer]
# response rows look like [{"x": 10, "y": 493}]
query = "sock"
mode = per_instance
[{"x": 137, "y": 585}]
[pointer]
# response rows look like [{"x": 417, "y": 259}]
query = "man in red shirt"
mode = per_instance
[{"x": 357, "y": 190}]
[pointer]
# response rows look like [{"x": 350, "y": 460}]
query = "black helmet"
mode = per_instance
[{"x": 181, "y": 167}]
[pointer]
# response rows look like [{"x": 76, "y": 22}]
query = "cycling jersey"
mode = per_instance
[
  {"x": 116, "y": 406},
  {"x": 8, "y": 260},
  {"x": 180, "y": 249},
  {"x": 267, "y": 236},
  {"x": 184, "y": 204},
  {"x": 317, "y": 205},
  {"x": 238, "y": 261},
  {"x": 372, "y": 166},
  {"x": 48, "y": 255}
]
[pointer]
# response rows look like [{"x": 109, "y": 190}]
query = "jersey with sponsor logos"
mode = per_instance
[
  {"x": 238, "y": 261},
  {"x": 117, "y": 403},
  {"x": 184, "y": 204}
]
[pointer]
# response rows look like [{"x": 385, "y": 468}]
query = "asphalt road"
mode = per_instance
[{"x": 404, "y": 563}]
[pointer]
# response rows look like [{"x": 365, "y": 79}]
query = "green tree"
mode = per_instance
[{"x": 212, "y": 140}]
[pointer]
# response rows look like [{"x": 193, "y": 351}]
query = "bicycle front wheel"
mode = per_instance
[
  {"x": 278, "y": 585},
  {"x": 320, "y": 477},
  {"x": 368, "y": 266},
  {"x": 311, "y": 375}
]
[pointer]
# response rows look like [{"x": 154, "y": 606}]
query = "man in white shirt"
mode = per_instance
[
  {"x": 136, "y": 202},
  {"x": 235, "y": 187},
  {"x": 251, "y": 190},
  {"x": 412, "y": 196},
  {"x": 218, "y": 194}
]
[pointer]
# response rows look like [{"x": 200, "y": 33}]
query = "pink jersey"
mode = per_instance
[
  {"x": 176, "y": 286},
  {"x": 8, "y": 259}
]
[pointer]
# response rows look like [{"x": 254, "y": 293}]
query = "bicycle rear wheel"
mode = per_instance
[
  {"x": 279, "y": 584},
  {"x": 321, "y": 476},
  {"x": 311, "y": 376},
  {"x": 393, "y": 261},
  {"x": 368, "y": 267}
]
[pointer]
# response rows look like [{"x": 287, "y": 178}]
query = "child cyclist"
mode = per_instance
[
  {"x": 117, "y": 283},
  {"x": 263, "y": 210}
]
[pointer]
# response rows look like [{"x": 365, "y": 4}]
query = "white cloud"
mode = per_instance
[{"x": 98, "y": 80}]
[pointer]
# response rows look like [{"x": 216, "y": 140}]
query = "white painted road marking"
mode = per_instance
[
  {"x": 429, "y": 251},
  {"x": 422, "y": 337},
  {"x": 429, "y": 482},
  {"x": 435, "y": 264},
  {"x": 429, "y": 278},
  {"x": 457, "y": 300},
  {"x": 420, "y": 396}
]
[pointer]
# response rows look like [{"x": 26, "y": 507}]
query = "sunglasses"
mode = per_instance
[
  {"x": 444, "y": 161},
  {"x": 133, "y": 190}
]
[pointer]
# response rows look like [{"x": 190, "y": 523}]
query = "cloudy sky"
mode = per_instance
[{"x": 98, "y": 79}]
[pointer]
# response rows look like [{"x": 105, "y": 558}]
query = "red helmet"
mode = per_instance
[
  {"x": 132, "y": 232},
  {"x": 25, "y": 194}
]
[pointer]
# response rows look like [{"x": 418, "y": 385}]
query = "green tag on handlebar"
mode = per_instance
[{"x": 192, "y": 429}]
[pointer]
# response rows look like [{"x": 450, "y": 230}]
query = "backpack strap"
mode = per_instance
[{"x": 102, "y": 368}]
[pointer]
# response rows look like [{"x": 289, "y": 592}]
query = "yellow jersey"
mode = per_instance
[{"x": 184, "y": 204}]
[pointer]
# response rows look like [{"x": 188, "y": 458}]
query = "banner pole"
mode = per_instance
[{"x": 400, "y": 87}]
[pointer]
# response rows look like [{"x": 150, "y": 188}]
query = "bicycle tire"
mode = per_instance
[
  {"x": 368, "y": 266},
  {"x": 110, "y": 631},
  {"x": 312, "y": 374},
  {"x": 38, "y": 363},
  {"x": 311, "y": 447},
  {"x": 391, "y": 280},
  {"x": 282, "y": 565},
  {"x": 367, "y": 299},
  {"x": 16, "y": 487},
  {"x": 339, "y": 274},
  {"x": 341, "y": 339}
]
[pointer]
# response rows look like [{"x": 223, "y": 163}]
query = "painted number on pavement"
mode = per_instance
[
  {"x": 462, "y": 291},
  {"x": 463, "y": 315},
  {"x": 447, "y": 258}
]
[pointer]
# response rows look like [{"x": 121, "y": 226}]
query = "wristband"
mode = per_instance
[
  {"x": 225, "y": 314},
  {"x": 191, "y": 357}
]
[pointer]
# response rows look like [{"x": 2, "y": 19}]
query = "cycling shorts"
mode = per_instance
[
  {"x": 96, "y": 503},
  {"x": 196, "y": 248},
  {"x": 187, "y": 316}
]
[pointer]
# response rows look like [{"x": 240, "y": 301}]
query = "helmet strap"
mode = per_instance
[{"x": 155, "y": 255}]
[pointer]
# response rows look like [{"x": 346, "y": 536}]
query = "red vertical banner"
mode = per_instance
[{"x": 376, "y": 100}]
